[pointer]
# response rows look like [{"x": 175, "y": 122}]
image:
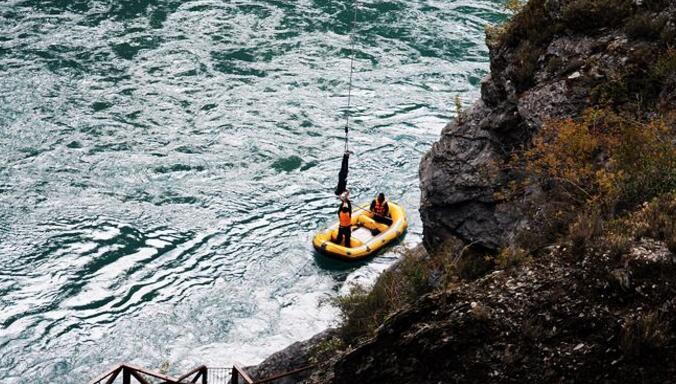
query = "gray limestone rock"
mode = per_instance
[{"x": 295, "y": 356}]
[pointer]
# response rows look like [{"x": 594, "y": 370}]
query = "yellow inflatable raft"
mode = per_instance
[{"x": 365, "y": 239}]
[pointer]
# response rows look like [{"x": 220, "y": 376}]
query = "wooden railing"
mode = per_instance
[
  {"x": 126, "y": 372},
  {"x": 238, "y": 371},
  {"x": 200, "y": 375}
]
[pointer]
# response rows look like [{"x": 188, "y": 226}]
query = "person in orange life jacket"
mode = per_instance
[
  {"x": 345, "y": 220},
  {"x": 380, "y": 211}
]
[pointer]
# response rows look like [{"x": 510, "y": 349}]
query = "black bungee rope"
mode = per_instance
[{"x": 342, "y": 175}]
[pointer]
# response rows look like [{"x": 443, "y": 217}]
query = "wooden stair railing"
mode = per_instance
[
  {"x": 140, "y": 374},
  {"x": 196, "y": 374},
  {"x": 199, "y": 375},
  {"x": 238, "y": 371}
]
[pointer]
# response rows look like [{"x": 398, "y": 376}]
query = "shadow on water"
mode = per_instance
[{"x": 332, "y": 264}]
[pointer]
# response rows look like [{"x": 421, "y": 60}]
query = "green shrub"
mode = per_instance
[
  {"x": 525, "y": 64},
  {"x": 496, "y": 33},
  {"x": 656, "y": 220},
  {"x": 665, "y": 66},
  {"x": 532, "y": 23},
  {"x": 644, "y": 334},
  {"x": 616, "y": 244},
  {"x": 668, "y": 35},
  {"x": 637, "y": 86},
  {"x": 645, "y": 26},
  {"x": 600, "y": 165},
  {"x": 416, "y": 274},
  {"x": 511, "y": 257},
  {"x": 326, "y": 349},
  {"x": 655, "y": 5},
  {"x": 456, "y": 261},
  {"x": 670, "y": 239},
  {"x": 515, "y": 6},
  {"x": 363, "y": 311},
  {"x": 586, "y": 15},
  {"x": 613, "y": 91},
  {"x": 584, "y": 232},
  {"x": 474, "y": 265}
]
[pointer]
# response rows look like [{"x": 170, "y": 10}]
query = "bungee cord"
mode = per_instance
[{"x": 342, "y": 175}]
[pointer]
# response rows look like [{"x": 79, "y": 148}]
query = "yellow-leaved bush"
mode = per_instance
[{"x": 603, "y": 159}]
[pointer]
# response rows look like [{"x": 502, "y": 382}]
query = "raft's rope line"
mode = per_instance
[{"x": 355, "y": 5}]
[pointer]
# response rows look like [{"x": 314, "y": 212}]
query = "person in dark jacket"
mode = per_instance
[
  {"x": 380, "y": 211},
  {"x": 345, "y": 222}
]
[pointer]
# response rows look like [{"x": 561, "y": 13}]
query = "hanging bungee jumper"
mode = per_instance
[{"x": 359, "y": 232}]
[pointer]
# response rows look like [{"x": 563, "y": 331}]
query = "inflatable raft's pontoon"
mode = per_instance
[{"x": 368, "y": 236}]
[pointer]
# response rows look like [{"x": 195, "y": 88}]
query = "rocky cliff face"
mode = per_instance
[{"x": 559, "y": 60}]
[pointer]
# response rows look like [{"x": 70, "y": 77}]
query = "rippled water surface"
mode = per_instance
[{"x": 164, "y": 165}]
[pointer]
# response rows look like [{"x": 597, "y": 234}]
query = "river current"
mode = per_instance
[{"x": 165, "y": 164}]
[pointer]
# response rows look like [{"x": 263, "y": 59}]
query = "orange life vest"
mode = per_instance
[
  {"x": 345, "y": 219},
  {"x": 379, "y": 208}
]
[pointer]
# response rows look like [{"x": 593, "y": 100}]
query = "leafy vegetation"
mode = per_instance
[
  {"x": 510, "y": 257},
  {"x": 603, "y": 160},
  {"x": 637, "y": 86},
  {"x": 664, "y": 68},
  {"x": 417, "y": 273},
  {"x": 655, "y": 219},
  {"x": 591, "y": 171},
  {"x": 643, "y": 334},
  {"x": 362, "y": 311},
  {"x": 584, "y": 231},
  {"x": 586, "y": 15},
  {"x": 326, "y": 349},
  {"x": 533, "y": 26},
  {"x": 645, "y": 26}
]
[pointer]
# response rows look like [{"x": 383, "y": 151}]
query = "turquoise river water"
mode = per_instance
[{"x": 164, "y": 165}]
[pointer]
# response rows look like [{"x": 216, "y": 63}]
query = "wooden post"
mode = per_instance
[
  {"x": 126, "y": 376},
  {"x": 205, "y": 372},
  {"x": 138, "y": 377},
  {"x": 112, "y": 377},
  {"x": 235, "y": 376}
]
